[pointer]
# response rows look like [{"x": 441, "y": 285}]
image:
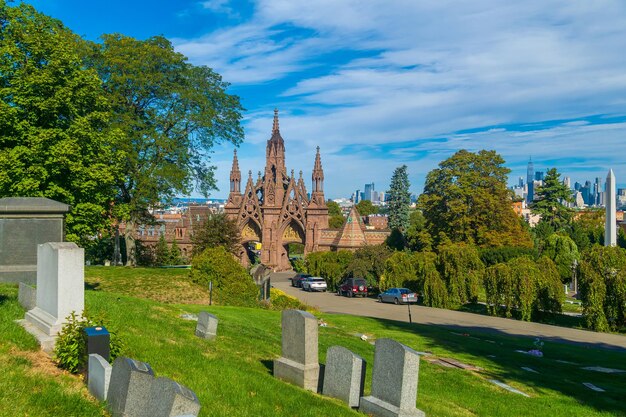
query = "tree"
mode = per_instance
[
  {"x": 562, "y": 250},
  {"x": 467, "y": 200},
  {"x": 176, "y": 256},
  {"x": 162, "y": 252},
  {"x": 399, "y": 200},
  {"x": 417, "y": 236},
  {"x": 171, "y": 114},
  {"x": 462, "y": 270},
  {"x": 365, "y": 208},
  {"x": 549, "y": 199},
  {"x": 368, "y": 262},
  {"x": 217, "y": 230},
  {"x": 399, "y": 271},
  {"x": 55, "y": 139},
  {"x": 335, "y": 219}
]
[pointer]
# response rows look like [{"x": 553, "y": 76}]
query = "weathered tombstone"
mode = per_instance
[
  {"x": 26, "y": 222},
  {"x": 394, "y": 381},
  {"x": 344, "y": 375},
  {"x": 27, "y": 296},
  {"x": 169, "y": 399},
  {"x": 130, "y": 387},
  {"x": 207, "y": 326},
  {"x": 299, "y": 361},
  {"x": 60, "y": 290},
  {"x": 98, "y": 376}
]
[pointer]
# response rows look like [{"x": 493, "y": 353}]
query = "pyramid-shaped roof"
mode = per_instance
[{"x": 353, "y": 231}]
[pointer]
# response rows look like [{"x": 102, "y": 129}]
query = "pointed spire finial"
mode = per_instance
[
  {"x": 250, "y": 173},
  {"x": 292, "y": 173},
  {"x": 259, "y": 173},
  {"x": 275, "y": 127},
  {"x": 300, "y": 174}
]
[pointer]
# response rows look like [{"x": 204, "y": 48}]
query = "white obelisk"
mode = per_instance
[{"x": 610, "y": 228}]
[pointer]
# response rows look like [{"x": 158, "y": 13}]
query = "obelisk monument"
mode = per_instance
[{"x": 610, "y": 228}]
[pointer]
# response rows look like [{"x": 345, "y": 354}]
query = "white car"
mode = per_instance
[{"x": 314, "y": 284}]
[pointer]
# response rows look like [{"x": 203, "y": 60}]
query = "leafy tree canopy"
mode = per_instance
[
  {"x": 365, "y": 208},
  {"x": 55, "y": 139},
  {"x": 335, "y": 219},
  {"x": 217, "y": 230},
  {"x": 466, "y": 199},
  {"x": 171, "y": 114}
]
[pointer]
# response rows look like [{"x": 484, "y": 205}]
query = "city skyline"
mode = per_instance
[{"x": 408, "y": 83}]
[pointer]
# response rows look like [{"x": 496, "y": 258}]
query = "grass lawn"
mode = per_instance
[{"x": 232, "y": 375}]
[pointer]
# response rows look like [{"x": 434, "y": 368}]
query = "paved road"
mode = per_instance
[{"x": 331, "y": 303}]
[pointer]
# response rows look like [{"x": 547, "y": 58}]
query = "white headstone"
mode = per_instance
[
  {"x": 610, "y": 228},
  {"x": 99, "y": 375},
  {"x": 60, "y": 285}
]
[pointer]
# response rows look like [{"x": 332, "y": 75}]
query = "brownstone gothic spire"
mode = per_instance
[
  {"x": 275, "y": 169},
  {"x": 318, "y": 173},
  {"x": 235, "y": 175},
  {"x": 275, "y": 127}
]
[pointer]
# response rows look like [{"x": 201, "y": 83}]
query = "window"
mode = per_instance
[{"x": 179, "y": 232}]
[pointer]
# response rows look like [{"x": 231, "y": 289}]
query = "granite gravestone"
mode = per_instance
[
  {"x": 169, "y": 399},
  {"x": 98, "y": 376},
  {"x": 27, "y": 296},
  {"x": 26, "y": 222},
  {"x": 130, "y": 387},
  {"x": 60, "y": 290},
  {"x": 394, "y": 381},
  {"x": 207, "y": 326},
  {"x": 344, "y": 375},
  {"x": 299, "y": 361}
]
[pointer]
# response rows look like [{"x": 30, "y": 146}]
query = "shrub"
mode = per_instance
[
  {"x": 329, "y": 265},
  {"x": 493, "y": 256},
  {"x": 461, "y": 269},
  {"x": 368, "y": 262},
  {"x": 435, "y": 292},
  {"x": 232, "y": 285},
  {"x": 499, "y": 289},
  {"x": 298, "y": 265},
  {"x": 399, "y": 271},
  {"x": 281, "y": 301},
  {"x": 602, "y": 282},
  {"x": 70, "y": 351}
]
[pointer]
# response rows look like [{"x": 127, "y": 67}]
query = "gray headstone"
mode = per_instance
[
  {"x": 130, "y": 387},
  {"x": 344, "y": 375},
  {"x": 169, "y": 399},
  {"x": 27, "y": 296},
  {"x": 207, "y": 326},
  {"x": 99, "y": 376},
  {"x": 299, "y": 361},
  {"x": 394, "y": 381},
  {"x": 26, "y": 222}
]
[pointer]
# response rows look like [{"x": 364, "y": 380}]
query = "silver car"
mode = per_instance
[
  {"x": 397, "y": 296},
  {"x": 313, "y": 284}
]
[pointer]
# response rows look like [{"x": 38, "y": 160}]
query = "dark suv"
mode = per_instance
[
  {"x": 297, "y": 280},
  {"x": 353, "y": 287}
]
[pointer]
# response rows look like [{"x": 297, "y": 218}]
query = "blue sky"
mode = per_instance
[{"x": 378, "y": 84}]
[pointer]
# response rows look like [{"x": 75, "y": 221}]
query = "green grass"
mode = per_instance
[{"x": 232, "y": 375}]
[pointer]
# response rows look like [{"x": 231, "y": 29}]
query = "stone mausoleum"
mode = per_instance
[{"x": 276, "y": 210}]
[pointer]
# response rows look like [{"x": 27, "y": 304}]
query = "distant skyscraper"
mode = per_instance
[
  {"x": 597, "y": 192},
  {"x": 567, "y": 181},
  {"x": 539, "y": 175},
  {"x": 577, "y": 186},
  {"x": 368, "y": 192},
  {"x": 357, "y": 196},
  {"x": 530, "y": 177},
  {"x": 520, "y": 182}
]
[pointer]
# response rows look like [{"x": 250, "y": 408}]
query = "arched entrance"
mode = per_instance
[
  {"x": 293, "y": 240},
  {"x": 250, "y": 243}
]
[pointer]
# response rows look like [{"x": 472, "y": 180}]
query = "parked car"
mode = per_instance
[
  {"x": 297, "y": 280},
  {"x": 398, "y": 296},
  {"x": 314, "y": 284},
  {"x": 353, "y": 287}
]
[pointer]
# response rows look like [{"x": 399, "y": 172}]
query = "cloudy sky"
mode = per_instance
[{"x": 378, "y": 84}]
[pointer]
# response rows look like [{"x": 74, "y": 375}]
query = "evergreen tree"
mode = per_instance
[
  {"x": 162, "y": 252},
  {"x": 399, "y": 200},
  {"x": 176, "y": 256},
  {"x": 549, "y": 201}
]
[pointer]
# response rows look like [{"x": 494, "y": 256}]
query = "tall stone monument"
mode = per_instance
[
  {"x": 26, "y": 222},
  {"x": 610, "y": 228},
  {"x": 299, "y": 361},
  {"x": 60, "y": 290}
]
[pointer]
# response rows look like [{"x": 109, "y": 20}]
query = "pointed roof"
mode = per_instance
[
  {"x": 318, "y": 172},
  {"x": 276, "y": 138},
  {"x": 352, "y": 234},
  {"x": 235, "y": 169}
]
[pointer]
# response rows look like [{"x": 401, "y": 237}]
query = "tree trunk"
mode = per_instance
[{"x": 129, "y": 238}]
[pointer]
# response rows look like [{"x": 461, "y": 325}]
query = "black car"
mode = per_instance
[
  {"x": 353, "y": 287},
  {"x": 297, "y": 280}
]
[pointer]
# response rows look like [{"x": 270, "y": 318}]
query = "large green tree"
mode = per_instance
[
  {"x": 55, "y": 139},
  {"x": 217, "y": 230},
  {"x": 549, "y": 201},
  {"x": 365, "y": 208},
  {"x": 399, "y": 200},
  {"x": 466, "y": 200},
  {"x": 171, "y": 114},
  {"x": 335, "y": 217}
]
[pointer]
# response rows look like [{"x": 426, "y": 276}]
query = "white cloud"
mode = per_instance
[{"x": 416, "y": 70}]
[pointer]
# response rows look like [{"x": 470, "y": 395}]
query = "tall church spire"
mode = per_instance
[
  {"x": 275, "y": 126},
  {"x": 235, "y": 175},
  {"x": 317, "y": 192}
]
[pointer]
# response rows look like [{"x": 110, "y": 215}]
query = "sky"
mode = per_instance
[{"x": 379, "y": 84}]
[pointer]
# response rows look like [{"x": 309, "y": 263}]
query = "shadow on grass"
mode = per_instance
[
  {"x": 4, "y": 298},
  {"x": 269, "y": 364},
  {"x": 559, "y": 369},
  {"x": 92, "y": 286},
  {"x": 545, "y": 317}
]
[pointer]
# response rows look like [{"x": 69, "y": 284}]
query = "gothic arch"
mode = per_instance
[
  {"x": 292, "y": 231},
  {"x": 250, "y": 231}
]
